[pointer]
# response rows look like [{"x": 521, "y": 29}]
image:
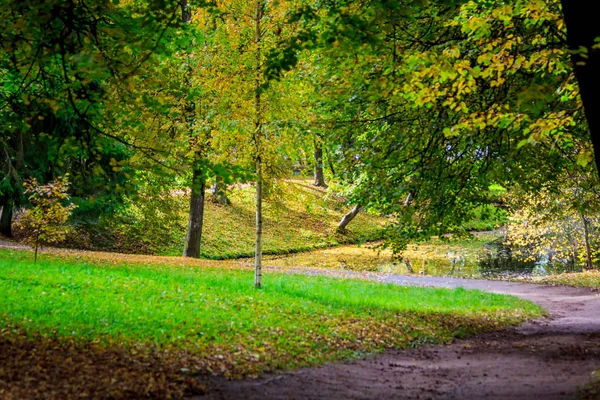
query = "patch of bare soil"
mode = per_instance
[{"x": 551, "y": 358}]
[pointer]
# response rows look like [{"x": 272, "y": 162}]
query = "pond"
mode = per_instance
[{"x": 483, "y": 256}]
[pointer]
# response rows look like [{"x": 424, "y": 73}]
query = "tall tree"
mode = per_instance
[
  {"x": 583, "y": 37},
  {"x": 318, "y": 160},
  {"x": 59, "y": 61},
  {"x": 439, "y": 101},
  {"x": 193, "y": 237},
  {"x": 258, "y": 138}
]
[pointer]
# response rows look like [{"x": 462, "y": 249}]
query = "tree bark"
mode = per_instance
[
  {"x": 346, "y": 219},
  {"x": 193, "y": 237},
  {"x": 257, "y": 142},
  {"x": 7, "y": 216},
  {"x": 319, "y": 176},
  {"x": 582, "y": 25}
]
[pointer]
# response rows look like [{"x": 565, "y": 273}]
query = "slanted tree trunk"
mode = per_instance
[
  {"x": 581, "y": 20},
  {"x": 7, "y": 216},
  {"x": 346, "y": 219},
  {"x": 193, "y": 237},
  {"x": 409, "y": 199},
  {"x": 319, "y": 176},
  {"x": 257, "y": 141}
]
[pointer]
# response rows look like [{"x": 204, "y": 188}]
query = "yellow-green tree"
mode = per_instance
[{"x": 46, "y": 220}]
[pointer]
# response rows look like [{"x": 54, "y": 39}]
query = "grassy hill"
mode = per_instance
[{"x": 297, "y": 217}]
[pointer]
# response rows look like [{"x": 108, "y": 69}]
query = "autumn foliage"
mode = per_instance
[{"x": 46, "y": 220}]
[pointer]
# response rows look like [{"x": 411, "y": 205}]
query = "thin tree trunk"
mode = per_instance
[
  {"x": 7, "y": 216},
  {"x": 581, "y": 20},
  {"x": 319, "y": 176},
  {"x": 193, "y": 237},
  {"x": 37, "y": 244},
  {"x": 346, "y": 219},
  {"x": 330, "y": 163},
  {"x": 586, "y": 238},
  {"x": 219, "y": 196},
  {"x": 409, "y": 199},
  {"x": 257, "y": 143}
]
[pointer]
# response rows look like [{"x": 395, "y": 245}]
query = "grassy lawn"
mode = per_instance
[{"x": 210, "y": 320}]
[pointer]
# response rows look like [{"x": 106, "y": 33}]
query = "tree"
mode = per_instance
[
  {"x": 258, "y": 138},
  {"x": 46, "y": 220},
  {"x": 193, "y": 235},
  {"x": 438, "y": 102},
  {"x": 559, "y": 225},
  {"x": 318, "y": 159},
  {"x": 60, "y": 62},
  {"x": 583, "y": 33}
]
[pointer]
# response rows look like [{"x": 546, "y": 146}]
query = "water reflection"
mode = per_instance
[
  {"x": 499, "y": 261},
  {"x": 493, "y": 260},
  {"x": 484, "y": 256}
]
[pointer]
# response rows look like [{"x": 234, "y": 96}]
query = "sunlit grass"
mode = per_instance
[{"x": 297, "y": 217}]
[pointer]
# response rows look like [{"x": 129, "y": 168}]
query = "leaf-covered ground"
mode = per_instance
[
  {"x": 128, "y": 327},
  {"x": 587, "y": 279}
]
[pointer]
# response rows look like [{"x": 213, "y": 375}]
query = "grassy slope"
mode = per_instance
[
  {"x": 214, "y": 316},
  {"x": 303, "y": 217}
]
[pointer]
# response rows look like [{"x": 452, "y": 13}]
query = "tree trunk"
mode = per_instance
[
  {"x": 582, "y": 31},
  {"x": 7, "y": 216},
  {"x": 346, "y": 219},
  {"x": 257, "y": 143},
  {"x": 219, "y": 196},
  {"x": 193, "y": 236},
  {"x": 586, "y": 238},
  {"x": 330, "y": 163},
  {"x": 37, "y": 245},
  {"x": 319, "y": 176}
]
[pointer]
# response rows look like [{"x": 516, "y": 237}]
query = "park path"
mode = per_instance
[{"x": 549, "y": 358}]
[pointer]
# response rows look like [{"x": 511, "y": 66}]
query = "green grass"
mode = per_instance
[{"x": 226, "y": 325}]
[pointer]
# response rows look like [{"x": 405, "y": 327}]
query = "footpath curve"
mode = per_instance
[{"x": 549, "y": 358}]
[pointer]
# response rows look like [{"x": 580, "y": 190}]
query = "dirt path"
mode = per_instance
[{"x": 549, "y": 358}]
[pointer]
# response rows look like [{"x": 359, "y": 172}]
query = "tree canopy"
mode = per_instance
[{"x": 414, "y": 108}]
